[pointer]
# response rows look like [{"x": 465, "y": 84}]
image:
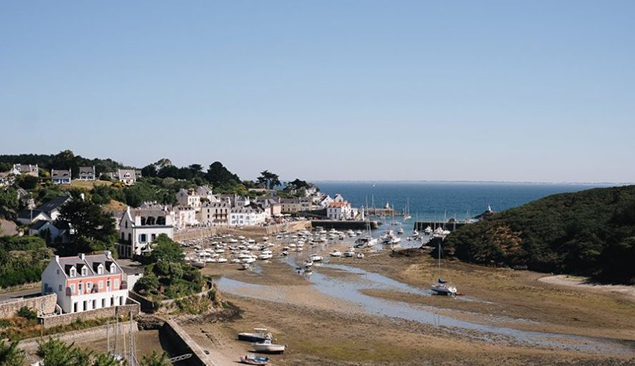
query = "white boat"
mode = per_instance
[
  {"x": 427, "y": 230},
  {"x": 245, "y": 266},
  {"x": 222, "y": 260},
  {"x": 268, "y": 347},
  {"x": 336, "y": 253},
  {"x": 317, "y": 258},
  {"x": 360, "y": 255},
  {"x": 198, "y": 263},
  {"x": 442, "y": 287},
  {"x": 349, "y": 253},
  {"x": 308, "y": 263}
]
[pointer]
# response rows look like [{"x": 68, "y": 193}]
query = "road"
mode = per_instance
[{"x": 18, "y": 294}]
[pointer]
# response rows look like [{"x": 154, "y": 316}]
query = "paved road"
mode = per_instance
[{"x": 18, "y": 294}]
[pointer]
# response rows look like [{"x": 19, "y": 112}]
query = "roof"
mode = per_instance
[
  {"x": 54, "y": 204},
  {"x": 25, "y": 168},
  {"x": 86, "y": 170},
  {"x": 91, "y": 262},
  {"x": 122, "y": 173},
  {"x": 38, "y": 224},
  {"x": 28, "y": 214},
  {"x": 60, "y": 174},
  {"x": 339, "y": 204}
]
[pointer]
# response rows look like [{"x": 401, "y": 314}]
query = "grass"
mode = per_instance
[{"x": 85, "y": 184}]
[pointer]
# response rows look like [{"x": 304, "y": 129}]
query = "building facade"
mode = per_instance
[
  {"x": 61, "y": 176},
  {"x": 188, "y": 198},
  {"x": 339, "y": 211},
  {"x": 246, "y": 216},
  {"x": 85, "y": 282},
  {"x": 87, "y": 173},
  {"x": 138, "y": 228},
  {"x": 214, "y": 213}
]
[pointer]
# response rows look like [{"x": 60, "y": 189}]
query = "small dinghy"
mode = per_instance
[
  {"x": 259, "y": 335},
  {"x": 254, "y": 360},
  {"x": 267, "y": 347}
]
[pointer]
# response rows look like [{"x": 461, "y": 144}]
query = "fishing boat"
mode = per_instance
[
  {"x": 254, "y": 360},
  {"x": 258, "y": 335},
  {"x": 442, "y": 287},
  {"x": 267, "y": 347}
]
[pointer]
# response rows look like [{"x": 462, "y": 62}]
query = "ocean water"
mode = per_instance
[{"x": 435, "y": 201}]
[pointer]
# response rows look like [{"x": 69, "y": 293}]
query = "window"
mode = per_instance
[
  {"x": 103, "y": 303},
  {"x": 108, "y": 285},
  {"x": 60, "y": 288},
  {"x": 143, "y": 238},
  {"x": 100, "y": 269},
  {"x": 84, "y": 271},
  {"x": 72, "y": 289},
  {"x": 116, "y": 285},
  {"x": 79, "y": 287},
  {"x": 72, "y": 272},
  {"x": 126, "y": 224},
  {"x": 58, "y": 272},
  {"x": 101, "y": 285},
  {"x": 154, "y": 237},
  {"x": 112, "y": 268}
]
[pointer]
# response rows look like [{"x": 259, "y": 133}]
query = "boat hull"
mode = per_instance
[
  {"x": 248, "y": 337},
  {"x": 269, "y": 348}
]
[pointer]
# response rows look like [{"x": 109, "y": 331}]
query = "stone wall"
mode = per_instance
[
  {"x": 185, "y": 343},
  {"x": 41, "y": 304},
  {"x": 109, "y": 312},
  {"x": 194, "y": 233}
]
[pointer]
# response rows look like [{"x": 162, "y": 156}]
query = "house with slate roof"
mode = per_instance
[
  {"x": 85, "y": 282},
  {"x": 61, "y": 176}
]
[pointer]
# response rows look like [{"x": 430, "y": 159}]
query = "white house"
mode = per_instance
[
  {"x": 61, "y": 176},
  {"x": 24, "y": 169},
  {"x": 51, "y": 231},
  {"x": 338, "y": 198},
  {"x": 324, "y": 202},
  {"x": 86, "y": 173},
  {"x": 48, "y": 211},
  {"x": 127, "y": 176},
  {"x": 85, "y": 282},
  {"x": 183, "y": 217},
  {"x": 188, "y": 198},
  {"x": 246, "y": 216},
  {"x": 140, "y": 227},
  {"x": 206, "y": 194},
  {"x": 214, "y": 213},
  {"x": 339, "y": 211}
]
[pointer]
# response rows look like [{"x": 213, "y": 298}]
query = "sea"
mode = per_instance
[{"x": 440, "y": 201}]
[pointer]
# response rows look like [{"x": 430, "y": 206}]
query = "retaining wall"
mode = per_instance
[
  {"x": 42, "y": 305},
  {"x": 64, "y": 319}
]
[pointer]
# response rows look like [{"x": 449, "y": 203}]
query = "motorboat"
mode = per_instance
[
  {"x": 317, "y": 258},
  {"x": 336, "y": 253},
  {"x": 222, "y": 260},
  {"x": 258, "y": 335},
  {"x": 254, "y": 360},
  {"x": 198, "y": 263},
  {"x": 267, "y": 347},
  {"x": 360, "y": 255},
  {"x": 308, "y": 263}
]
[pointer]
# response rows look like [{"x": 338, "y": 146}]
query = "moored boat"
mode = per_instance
[
  {"x": 254, "y": 360},
  {"x": 258, "y": 335},
  {"x": 267, "y": 347}
]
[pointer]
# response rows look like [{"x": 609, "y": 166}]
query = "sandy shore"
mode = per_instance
[
  {"x": 321, "y": 329},
  {"x": 585, "y": 283}
]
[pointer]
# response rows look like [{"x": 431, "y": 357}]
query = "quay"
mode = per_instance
[{"x": 345, "y": 225}]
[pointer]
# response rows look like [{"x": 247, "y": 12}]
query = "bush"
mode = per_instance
[{"x": 27, "y": 313}]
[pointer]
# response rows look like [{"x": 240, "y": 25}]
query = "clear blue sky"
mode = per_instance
[{"x": 535, "y": 90}]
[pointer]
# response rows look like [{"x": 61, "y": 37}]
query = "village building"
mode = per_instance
[
  {"x": 87, "y": 173},
  {"x": 25, "y": 169},
  {"x": 61, "y": 176},
  {"x": 127, "y": 176},
  {"x": 85, "y": 282},
  {"x": 271, "y": 205},
  {"x": 246, "y": 216},
  {"x": 51, "y": 231},
  {"x": 290, "y": 205},
  {"x": 184, "y": 217},
  {"x": 138, "y": 228},
  {"x": 214, "y": 213},
  {"x": 339, "y": 211},
  {"x": 48, "y": 211},
  {"x": 188, "y": 198}
]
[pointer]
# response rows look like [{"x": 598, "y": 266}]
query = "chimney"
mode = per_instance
[
  {"x": 108, "y": 254},
  {"x": 82, "y": 256},
  {"x": 57, "y": 258}
]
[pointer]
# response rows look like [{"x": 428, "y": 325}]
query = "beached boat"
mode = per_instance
[
  {"x": 360, "y": 255},
  {"x": 267, "y": 347},
  {"x": 198, "y": 263},
  {"x": 336, "y": 253},
  {"x": 254, "y": 360},
  {"x": 442, "y": 287},
  {"x": 317, "y": 258},
  {"x": 258, "y": 335}
]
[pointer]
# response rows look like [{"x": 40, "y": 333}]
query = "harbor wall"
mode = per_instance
[
  {"x": 41, "y": 304},
  {"x": 185, "y": 344},
  {"x": 421, "y": 225}
]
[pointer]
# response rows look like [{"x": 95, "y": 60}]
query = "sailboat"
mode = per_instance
[
  {"x": 442, "y": 287},
  {"x": 406, "y": 212}
]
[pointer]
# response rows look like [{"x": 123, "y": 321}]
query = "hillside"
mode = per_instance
[{"x": 589, "y": 233}]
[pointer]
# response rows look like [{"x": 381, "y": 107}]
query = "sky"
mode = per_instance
[{"x": 507, "y": 90}]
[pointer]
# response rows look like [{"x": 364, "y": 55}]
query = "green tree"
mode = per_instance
[
  {"x": 166, "y": 250},
  {"x": 4, "y": 167},
  {"x": 219, "y": 176},
  {"x": 89, "y": 222},
  {"x": 57, "y": 353},
  {"x": 10, "y": 354},
  {"x": 269, "y": 179},
  {"x": 28, "y": 182}
]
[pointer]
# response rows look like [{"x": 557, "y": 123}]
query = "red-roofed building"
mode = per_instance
[{"x": 339, "y": 211}]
